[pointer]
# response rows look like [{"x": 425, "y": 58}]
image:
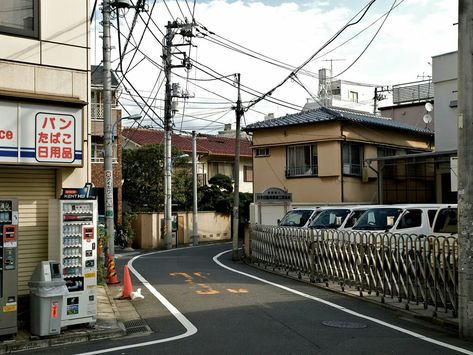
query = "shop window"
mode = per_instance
[
  {"x": 247, "y": 173},
  {"x": 352, "y": 158},
  {"x": 19, "y": 17},
  {"x": 302, "y": 160}
]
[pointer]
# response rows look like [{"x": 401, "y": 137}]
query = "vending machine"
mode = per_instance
[
  {"x": 8, "y": 265},
  {"x": 73, "y": 243}
]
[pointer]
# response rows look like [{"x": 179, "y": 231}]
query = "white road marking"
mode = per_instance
[
  {"x": 190, "y": 328},
  {"x": 343, "y": 309}
]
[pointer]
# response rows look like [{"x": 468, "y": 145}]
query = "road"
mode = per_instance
[{"x": 197, "y": 301}]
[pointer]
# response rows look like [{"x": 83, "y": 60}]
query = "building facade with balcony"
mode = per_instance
[{"x": 319, "y": 155}]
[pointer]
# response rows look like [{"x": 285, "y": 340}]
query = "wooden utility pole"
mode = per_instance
[{"x": 465, "y": 168}]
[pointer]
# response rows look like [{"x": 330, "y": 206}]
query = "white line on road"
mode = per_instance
[
  {"x": 190, "y": 328},
  {"x": 343, "y": 309}
]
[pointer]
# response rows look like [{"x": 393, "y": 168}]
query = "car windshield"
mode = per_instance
[
  {"x": 296, "y": 218},
  {"x": 378, "y": 219},
  {"x": 446, "y": 221},
  {"x": 353, "y": 218},
  {"x": 330, "y": 219}
]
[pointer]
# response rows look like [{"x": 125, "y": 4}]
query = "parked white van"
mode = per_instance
[
  {"x": 299, "y": 217},
  {"x": 415, "y": 219}
]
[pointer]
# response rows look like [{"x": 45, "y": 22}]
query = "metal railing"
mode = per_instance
[{"x": 414, "y": 269}]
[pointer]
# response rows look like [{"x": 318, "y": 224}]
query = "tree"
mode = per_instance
[{"x": 143, "y": 174}]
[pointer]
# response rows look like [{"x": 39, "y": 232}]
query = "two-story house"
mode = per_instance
[
  {"x": 215, "y": 154},
  {"x": 319, "y": 156}
]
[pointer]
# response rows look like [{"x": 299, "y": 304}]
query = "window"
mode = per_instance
[
  {"x": 221, "y": 168},
  {"x": 262, "y": 152},
  {"x": 97, "y": 155},
  {"x": 352, "y": 158},
  {"x": 410, "y": 219},
  {"x": 247, "y": 173},
  {"x": 19, "y": 17},
  {"x": 302, "y": 160},
  {"x": 353, "y": 96}
]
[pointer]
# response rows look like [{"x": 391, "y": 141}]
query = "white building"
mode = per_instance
[{"x": 444, "y": 76}]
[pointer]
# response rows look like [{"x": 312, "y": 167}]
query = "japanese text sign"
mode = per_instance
[{"x": 55, "y": 138}]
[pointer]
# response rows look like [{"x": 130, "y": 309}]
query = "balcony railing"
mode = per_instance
[{"x": 303, "y": 170}]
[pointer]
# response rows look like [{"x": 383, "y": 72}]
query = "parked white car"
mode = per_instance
[{"x": 299, "y": 217}]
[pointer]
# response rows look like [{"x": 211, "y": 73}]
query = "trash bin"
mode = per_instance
[{"x": 47, "y": 289}]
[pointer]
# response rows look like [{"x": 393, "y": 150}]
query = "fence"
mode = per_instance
[{"x": 411, "y": 268}]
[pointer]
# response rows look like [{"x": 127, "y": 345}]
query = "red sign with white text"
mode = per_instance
[{"x": 55, "y": 137}]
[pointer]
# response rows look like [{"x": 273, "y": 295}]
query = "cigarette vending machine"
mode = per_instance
[
  {"x": 73, "y": 243},
  {"x": 8, "y": 265}
]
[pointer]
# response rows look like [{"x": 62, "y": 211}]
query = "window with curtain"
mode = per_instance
[
  {"x": 19, "y": 17},
  {"x": 352, "y": 158},
  {"x": 301, "y": 160}
]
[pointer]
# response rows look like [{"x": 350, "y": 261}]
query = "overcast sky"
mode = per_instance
[{"x": 290, "y": 32}]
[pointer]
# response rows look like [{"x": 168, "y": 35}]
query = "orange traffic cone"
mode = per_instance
[
  {"x": 127, "y": 288},
  {"x": 112, "y": 277}
]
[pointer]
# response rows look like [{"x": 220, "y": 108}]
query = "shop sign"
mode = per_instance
[{"x": 40, "y": 134}]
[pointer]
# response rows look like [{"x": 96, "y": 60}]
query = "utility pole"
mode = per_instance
[
  {"x": 107, "y": 127},
  {"x": 465, "y": 168},
  {"x": 167, "y": 58},
  {"x": 195, "y": 231},
  {"x": 236, "y": 173},
  {"x": 185, "y": 31},
  {"x": 378, "y": 96}
]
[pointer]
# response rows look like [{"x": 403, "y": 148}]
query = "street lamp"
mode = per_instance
[
  {"x": 108, "y": 187},
  {"x": 131, "y": 117}
]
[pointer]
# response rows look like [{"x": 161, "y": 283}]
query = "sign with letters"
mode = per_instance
[{"x": 40, "y": 134}]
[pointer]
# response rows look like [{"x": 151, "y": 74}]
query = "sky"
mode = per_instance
[{"x": 403, "y": 42}]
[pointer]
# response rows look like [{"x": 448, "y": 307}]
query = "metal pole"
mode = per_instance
[
  {"x": 465, "y": 168},
  {"x": 167, "y": 140},
  {"x": 195, "y": 232},
  {"x": 107, "y": 127},
  {"x": 236, "y": 174}
]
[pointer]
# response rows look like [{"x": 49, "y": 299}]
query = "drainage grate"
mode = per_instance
[
  {"x": 341, "y": 324},
  {"x": 136, "y": 326}
]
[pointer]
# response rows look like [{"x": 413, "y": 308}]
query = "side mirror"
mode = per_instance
[{"x": 279, "y": 221}]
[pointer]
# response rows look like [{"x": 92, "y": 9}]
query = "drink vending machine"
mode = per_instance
[
  {"x": 73, "y": 243},
  {"x": 8, "y": 265}
]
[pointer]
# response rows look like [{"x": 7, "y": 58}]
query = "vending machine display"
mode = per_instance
[
  {"x": 77, "y": 254},
  {"x": 8, "y": 265}
]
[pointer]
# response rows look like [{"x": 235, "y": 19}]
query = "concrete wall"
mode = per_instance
[
  {"x": 444, "y": 77},
  {"x": 211, "y": 227}
]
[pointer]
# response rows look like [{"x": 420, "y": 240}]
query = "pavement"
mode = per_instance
[{"x": 117, "y": 317}]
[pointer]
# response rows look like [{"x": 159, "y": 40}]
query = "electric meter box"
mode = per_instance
[{"x": 47, "y": 289}]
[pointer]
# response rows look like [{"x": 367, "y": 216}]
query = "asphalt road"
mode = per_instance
[{"x": 196, "y": 305}]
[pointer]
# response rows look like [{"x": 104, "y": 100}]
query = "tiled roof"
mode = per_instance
[
  {"x": 323, "y": 114},
  {"x": 206, "y": 144},
  {"x": 96, "y": 74}
]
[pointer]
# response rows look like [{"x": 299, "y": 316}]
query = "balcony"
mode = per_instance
[{"x": 302, "y": 170}]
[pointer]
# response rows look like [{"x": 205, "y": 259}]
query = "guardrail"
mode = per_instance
[{"x": 413, "y": 269}]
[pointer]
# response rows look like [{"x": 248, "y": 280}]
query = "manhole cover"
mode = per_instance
[{"x": 342, "y": 324}]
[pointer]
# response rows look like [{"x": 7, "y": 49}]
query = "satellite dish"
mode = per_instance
[
  {"x": 429, "y": 107},
  {"x": 427, "y": 118}
]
